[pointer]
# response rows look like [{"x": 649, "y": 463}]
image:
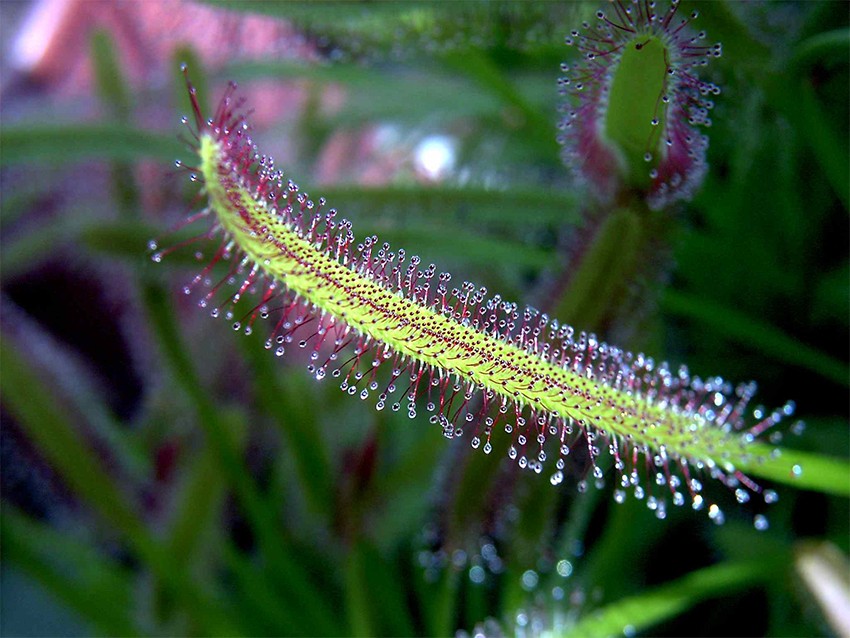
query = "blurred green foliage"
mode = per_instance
[{"x": 230, "y": 494}]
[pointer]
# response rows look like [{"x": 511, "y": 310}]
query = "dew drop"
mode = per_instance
[
  {"x": 477, "y": 574},
  {"x": 530, "y": 580},
  {"x": 716, "y": 514},
  {"x": 760, "y": 522}
]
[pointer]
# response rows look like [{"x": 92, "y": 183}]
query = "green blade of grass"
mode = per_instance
[
  {"x": 831, "y": 43},
  {"x": 297, "y": 422},
  {"x": 517, "y": 206},
  {"x": 269, "y": 614},
  {"x": 442, "y": 244},
  {"x": 37, "y": 412},
  {"x": 357, "y": 605},
  {"x": 826, "y": 142},
  {"x": 111, "y": 87},
  {"x": 292, "y": 576},
  {"x": 124, "y": 239},
  {"x": 63, "y": 143},
  {"x": 755, "y": 334},
  {"x": 803, "y": 470},
  {"x": 114, "y": 93},
  {"x": 202, "y": 496},
  {"x": 640, "y": 612},
  {"x": 76, "y": 573}
]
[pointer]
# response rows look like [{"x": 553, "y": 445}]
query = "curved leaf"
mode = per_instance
[{"x": 636, "y": 613}]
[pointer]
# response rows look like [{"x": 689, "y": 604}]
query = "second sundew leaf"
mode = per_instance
[
  {"x": 384, "y": 325},
  {"x": 634, "y": 118}
]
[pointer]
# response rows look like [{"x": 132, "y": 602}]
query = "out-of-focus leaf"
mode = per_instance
[
  {"x": 21, "y": 253},
  {"x": 73, "y": 382},
  {"x": 802, "y": 470},
  {"x": 832, "y": 155},
  {"x": 285, "y": 401},
  {"x": 266, "y": 612},
  {"x": 32, "y": 404},
  {"x": 413, "y": 96},
  {"x": 291, "y": 574},
  {"x": 202, "y": 497},
  {"x": 755, "y": 334},
  {"x": 834, "y": 43},
  {"x": 360, "y": 612},
  {"x": 113, "y": 90},
  {"x": 125, "y": 239},
  {"x": 640, "y": 612},
  {"x": 63, "y": 143},
  {"x": 416, "y": 27},
  {"x": 832, "y": 296},
  {"x": 516, "y": 206},
  {"x": 114, "y": 93},
  {"x": 76, "y": 573},
  {"x": 16, "y": 203},
  {"x": 465, "y": 245}
]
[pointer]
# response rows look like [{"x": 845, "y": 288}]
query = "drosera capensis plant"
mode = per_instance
[
  {"x": 254, "y": 500},
  {"x": 386, "y": 327}
]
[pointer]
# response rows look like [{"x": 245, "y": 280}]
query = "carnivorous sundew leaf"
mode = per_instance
[
  {"x": 634, "y": 100},
  {"x": 388, "y": 328}
]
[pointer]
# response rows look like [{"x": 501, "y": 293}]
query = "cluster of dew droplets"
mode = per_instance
[
  {"x": 684, "y": 105},
  {"x": 479, "y": 563},
  {"x": 554, "y": 604}
]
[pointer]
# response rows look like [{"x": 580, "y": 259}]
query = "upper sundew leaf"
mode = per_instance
[
  {"x": 635, "y": 102},
  {"x": 635, "y": 115},
  {"x": 383, "y": 324}
]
